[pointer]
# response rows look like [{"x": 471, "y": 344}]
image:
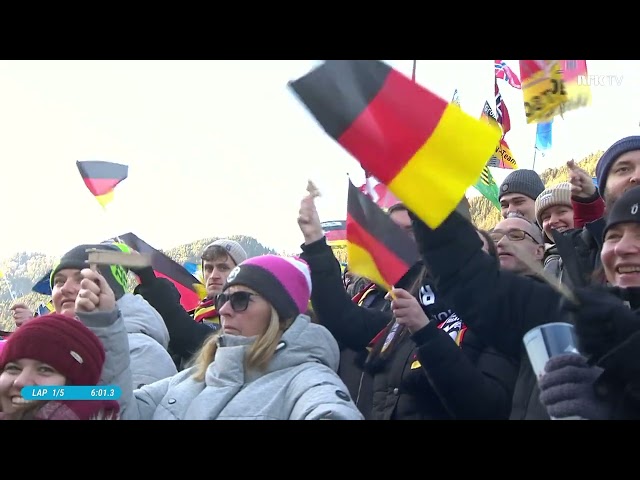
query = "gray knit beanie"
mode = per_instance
[
  {"x": 525, "y": 182},
  {"x": 559, "y": 194}
]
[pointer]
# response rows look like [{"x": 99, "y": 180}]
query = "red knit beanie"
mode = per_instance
[{"x": 63, "y": 343}]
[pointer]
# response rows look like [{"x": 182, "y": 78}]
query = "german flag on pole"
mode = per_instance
[
  {"x": 377, "y": 248},
  {"x": 101, "y": 178},
  {"x": 425, "y": 149}
]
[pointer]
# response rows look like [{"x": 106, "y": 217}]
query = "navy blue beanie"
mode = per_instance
[{"x": 627, "y": 144}]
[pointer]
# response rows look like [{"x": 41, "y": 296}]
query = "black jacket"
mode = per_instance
[
  {"x": 499, "y": 306},
  {"x": 618, "y": 337},
  {"x": 426, "y": 375},
  {"x": 580, "y": 252}
]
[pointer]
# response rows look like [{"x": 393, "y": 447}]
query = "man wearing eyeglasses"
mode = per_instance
[{"x": 516, "y": 236}]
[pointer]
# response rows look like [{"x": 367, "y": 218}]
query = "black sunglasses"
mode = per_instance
[{"x": 239, "y": 300}]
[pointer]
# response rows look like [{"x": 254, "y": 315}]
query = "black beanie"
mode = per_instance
[
  {"x": 624, "y": 145},
  {"x": 526, "y": 182},
  {"x": 625, "y": 210},
  {"x": 77, "y": 258}
]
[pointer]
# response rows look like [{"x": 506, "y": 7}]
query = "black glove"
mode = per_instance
[
  {"x": 602, "y": 321},
  {"x": 567, "y": 389}
]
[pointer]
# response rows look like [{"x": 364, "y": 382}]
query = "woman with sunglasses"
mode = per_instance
[{"x": 269, "y": 362}]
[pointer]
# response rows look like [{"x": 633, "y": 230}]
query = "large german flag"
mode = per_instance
[
  {"x": 426, "y": 150},
  {"x": 101, "y": 178},
  {"x": 377, "y": 248}
]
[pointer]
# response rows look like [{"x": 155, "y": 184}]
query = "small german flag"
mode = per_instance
[
  {"x": 101, "y": 178},
  {"x": 377, "y": 248},
  {"x": 425, "y": 149}
]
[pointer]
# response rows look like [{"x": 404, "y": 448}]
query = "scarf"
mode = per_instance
[{"x": 206, "y": 312}]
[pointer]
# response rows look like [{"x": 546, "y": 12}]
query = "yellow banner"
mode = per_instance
[
  {"x": 543, "y": 91},
  {"x": 575, "y": 75}
]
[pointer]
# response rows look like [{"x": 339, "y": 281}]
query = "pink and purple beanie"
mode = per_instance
[{"x": 285, "y": 282}]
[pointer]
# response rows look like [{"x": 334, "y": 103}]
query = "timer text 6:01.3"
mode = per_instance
[{"x": 72, "y": 392}]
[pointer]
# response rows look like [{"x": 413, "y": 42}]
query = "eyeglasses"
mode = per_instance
[
  {"x": 239, "y": 300},
  {"x": 515, "y": 235}
]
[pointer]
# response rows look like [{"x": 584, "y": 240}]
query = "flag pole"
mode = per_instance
[
  {"x": 413, "y": 71},
  {"x": 535, "y": 154},
  {"x": 13, "y": 295}
]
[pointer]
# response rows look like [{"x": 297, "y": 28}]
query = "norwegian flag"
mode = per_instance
[
  {"x": 378, "y": 192},
  {"x": 501, "y": 110},
  {"x": 503, "y": 72}
]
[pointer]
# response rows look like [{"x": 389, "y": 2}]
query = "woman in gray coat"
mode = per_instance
[{"x": 269, "y": 363}]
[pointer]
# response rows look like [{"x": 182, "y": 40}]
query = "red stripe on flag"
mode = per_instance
[
  {"x": 379, "y": 137},
  {"x": 188, "y": 298},
  {"x": 391, "y": 267},
  {"x": 100, "y": 186},
  {"x": 335, "y": 235}
]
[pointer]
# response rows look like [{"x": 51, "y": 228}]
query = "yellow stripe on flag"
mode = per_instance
[
  {"x": 364, "y": 264},
  {"x": 105, "y": 199},
  {"x": 433, "y": 182}
]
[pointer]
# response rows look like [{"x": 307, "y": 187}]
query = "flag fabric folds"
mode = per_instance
[
  {"x": 488, "y": 187},
  {"x": 165, "y": 267},
  {"x": 543, "y": 136},
  {"x": 502, "y": 156},
  {"x": 425, "y": 149},
  {"x": 377, "y": 248},
  {"x": 501, "y": 111},
  {"x": 379, "y": 192},
  {"x": 504, "y": 72},
  {"x": 194, "y": 269},
  {"x": 578, "y": 94},
  {"x": 43, "y": 286},
  {"x": 542, "y": 89},
  {"x": 101, "y": 178},
  {"x": 336, "y": 232},
  {"x": 44, "y": 308}
]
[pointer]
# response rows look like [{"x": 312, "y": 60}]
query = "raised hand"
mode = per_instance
[
  {"x": 309, "y": 221},
  {"x": 581, "y": 182},
  {"x": 21, "y": 314},
  {"x": 95, "y": 293}
]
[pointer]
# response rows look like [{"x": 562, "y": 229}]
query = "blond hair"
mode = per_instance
[{"x": 259, "y": 353}]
